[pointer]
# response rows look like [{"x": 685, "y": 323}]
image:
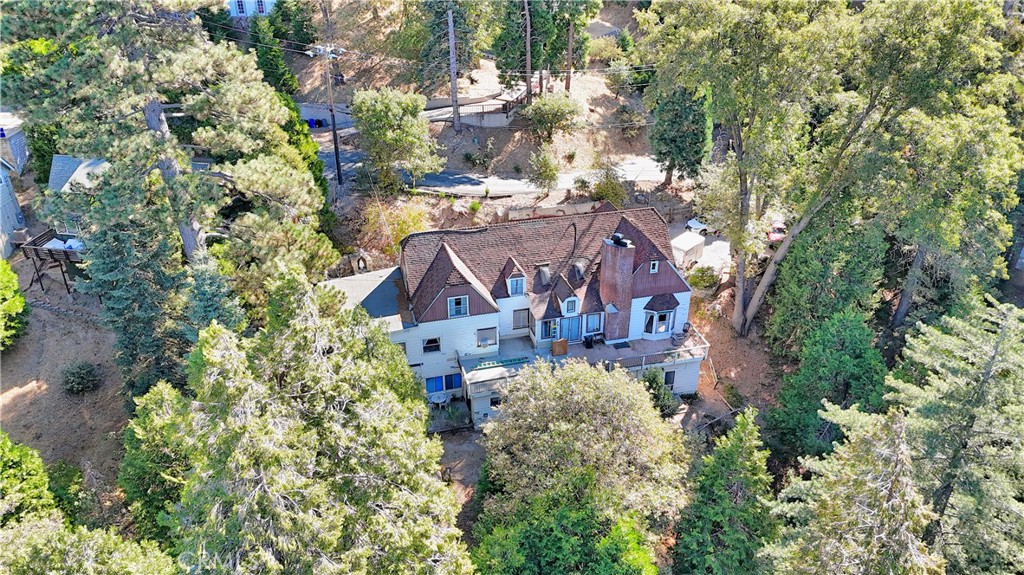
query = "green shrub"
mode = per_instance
[
  {"x": 550, "y": 114},
  {"x": 545, "y": 170},
  {"x": 581, "y": 185},
  {"x": 570, "y": 156},
  {"x": 69, "y": 495},
  {"x": 13, "y": 309},
  {"x": 625, "y": 42},
  {"x": 733, "y": 396},
  {"x": 662, "y": 397},
  {"x": 703, "y": 277},
  {"x": 474, "y": 206},
  {"x": 632, "y": 120},
  {"x": 517, "y": 169},
  {"x": 22, "y": 481},
  {"x": 604, "y": 49},
  {"x": 608, "y": 187},
  {"x": 80, "y": 377}
]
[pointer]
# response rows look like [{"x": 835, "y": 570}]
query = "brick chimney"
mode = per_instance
[{"x": 616, "y": 286}]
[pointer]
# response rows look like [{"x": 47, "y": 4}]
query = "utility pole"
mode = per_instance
[
  {"x": 330, "y": 92},
  {"x": 569, "y": 58},
  {"x": 529, "y": 59},
  {"x": 456, "y": 121}
]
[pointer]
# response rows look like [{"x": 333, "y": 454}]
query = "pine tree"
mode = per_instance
[
  {"x": 860, "y": 513},
  {"x": 110, "y": 90},
  {"x": 307, "y": 452},
  {"x": 434, "y": 56},
  {"x": 838, "y": 363},
  {"x": 729, "y": 519},
  {"x": 963, "y": 388}
]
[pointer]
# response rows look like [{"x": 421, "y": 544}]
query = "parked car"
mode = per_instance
[
  {"x": 777, "y": 233},
  {"x": 700, "y": 227}
]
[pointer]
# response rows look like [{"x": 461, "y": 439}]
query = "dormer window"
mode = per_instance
[
  {"x": 654, "y": 266},
  {"x": 570, "y": 306},
  {"x": 458, "y": 306},
  {"x": 516, "y": 286}
]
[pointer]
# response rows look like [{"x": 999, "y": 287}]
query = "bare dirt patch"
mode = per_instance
[
  {"x": 461, "y": 461},
  {"x": 83, "y": 430}
]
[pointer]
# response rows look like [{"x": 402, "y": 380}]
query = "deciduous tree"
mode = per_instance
[
  {"x": 45, "y": 545},
  {"x": 562, "y": 532},
  {"x": 550, "y": 114},
  {"x": 23, "y": 482},
  {"x": 681, "y": 134},
  {"x": 394, "y": 134},
  {"x": 558, "y": 421},
  {"x": 13, "y": 308}
]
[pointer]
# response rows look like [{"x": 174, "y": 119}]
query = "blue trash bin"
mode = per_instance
[{"x": 312, "y": 123}]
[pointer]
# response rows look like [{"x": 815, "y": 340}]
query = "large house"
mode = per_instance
[{"x": 471, "y": 307}]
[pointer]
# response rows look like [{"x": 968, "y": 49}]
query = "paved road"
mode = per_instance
[{"x": 640, "y": 168}]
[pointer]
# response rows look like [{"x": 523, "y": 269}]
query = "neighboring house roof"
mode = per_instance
[
  {"x": 67, "y": 170},
  {"x": 487, "y": 256},
  {"x": 379, "y": 292}
]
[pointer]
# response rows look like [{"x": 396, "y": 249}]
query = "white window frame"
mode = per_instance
[
  {"x": 452, "y": 306},
  {"x": 518, "y": 281},
  {"x": 240, "y": 7},
  {"x": 586, "y": 325},
  {"x": 526, "y": 311},
  {"x": 261, "y": 7},
  {"x": 655, "y": 322},
  {"x": 432, "y": 351},
  {"x": 575, "y": 306},
  {"x": 544, "y": 332},
  {"x": 654, "y": 266},
  {"x": 488, "y": 342}
]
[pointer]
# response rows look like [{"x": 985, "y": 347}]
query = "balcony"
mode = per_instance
[
  {"x": 483, "y": 375},
  {"x": 640, "y": 353}
]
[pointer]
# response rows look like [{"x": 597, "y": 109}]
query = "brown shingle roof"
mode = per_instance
[
  {"x": 557, "y": 241},
  {"x": 662, "y": 302}
]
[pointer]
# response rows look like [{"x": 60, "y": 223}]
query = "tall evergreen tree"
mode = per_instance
[
  {"x": 434, "y": 56},
  {"x": 860, "y": 513},
  {"x": 963, "y": 388},
  {"x": 729, "y": 519},
  {"x": 209, "y": 299},
  {"x": 153, "y": 468},
  {"x": 838, "y": 363},
  {"x": 114, "y": 71},
  {"x": 270, "y": 57},
  {"x": 307, "y": 452},
  {"x": 681, "y": 134}
]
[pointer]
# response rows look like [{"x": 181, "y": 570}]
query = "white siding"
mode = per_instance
[
  {"x": 637, "y": 315},
  {"x": 687, "y": 375},
  {"x": 505, "y": 308},
  {"x": 458, "y": 336},
  {"x": 250, "y": 8},
  {"x": 683, "y": 311}
]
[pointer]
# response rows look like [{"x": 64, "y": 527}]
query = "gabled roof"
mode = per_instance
[
  {"x": 67, "y": 170},
  {"x": 446, "y": 270},
  {"x": 487, "y": 255}
]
